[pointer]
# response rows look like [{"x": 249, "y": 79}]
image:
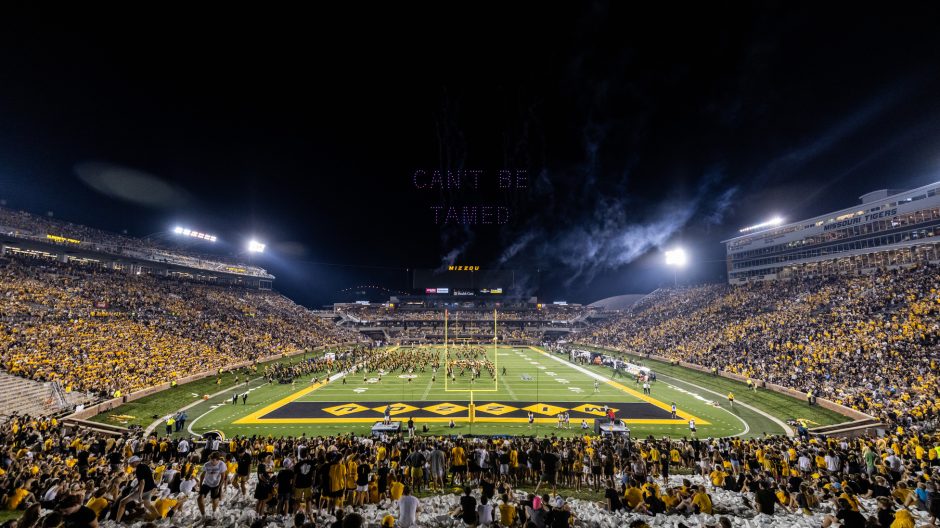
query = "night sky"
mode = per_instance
[{"x": 637, "y": 130}]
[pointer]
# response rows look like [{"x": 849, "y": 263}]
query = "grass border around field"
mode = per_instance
[
  {"x": 779, "y": 405},
  {"x": 165, "y": 402}
]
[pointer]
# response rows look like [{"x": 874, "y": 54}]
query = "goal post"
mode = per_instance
[{"x": 448, "y": 348}]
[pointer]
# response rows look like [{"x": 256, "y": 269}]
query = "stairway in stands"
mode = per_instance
[{"x": 27, "y": 397}]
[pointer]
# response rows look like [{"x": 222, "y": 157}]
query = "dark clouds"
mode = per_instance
[{"x": 640, "y": 126}]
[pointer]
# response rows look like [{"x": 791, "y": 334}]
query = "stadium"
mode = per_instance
[
  {"x": 471, "y": 270},
  {"x": 463, "y": 364}
]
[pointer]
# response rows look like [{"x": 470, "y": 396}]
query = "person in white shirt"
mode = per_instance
[
  {"x": 408, "y": 507},
  {"x": 805, "y": 463},
  {"x": 52, "y": 493},
  {"x": 169, "y": 474},
  {"x": 484, "y": 512},
  {"x": 210, "y": 483},
  {"x": 188, "y": 485}
]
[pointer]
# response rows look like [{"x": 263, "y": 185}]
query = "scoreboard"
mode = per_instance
[{"x": 463, "y": 281}]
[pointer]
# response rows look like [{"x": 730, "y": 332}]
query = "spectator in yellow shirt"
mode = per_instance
[{"x": 701, "y": 501}]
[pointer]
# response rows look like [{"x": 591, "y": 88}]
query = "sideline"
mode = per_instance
[
  {"x": 623, "y": 388},
  {"x": 786, "y": 428},
  {"x": 215, "y": 406},
  {"x": 747, "y": 427},
  {"x": 156, "y": 423}
]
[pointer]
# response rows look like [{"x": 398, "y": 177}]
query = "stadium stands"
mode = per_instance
[
  {"x": 53, "y": 470},
  {"x": 104, "y": 331},
  {"x": 26, "y": 226},
  {"x": 869, "y": 342},
  {"x": 528, "y": 323}
]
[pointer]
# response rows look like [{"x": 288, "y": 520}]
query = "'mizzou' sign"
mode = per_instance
[{"x": 862, "y": 219}]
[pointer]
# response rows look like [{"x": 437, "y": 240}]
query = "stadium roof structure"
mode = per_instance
[
  {"x": 618, "y": 302},
  {"x": 864, "y": 201}
]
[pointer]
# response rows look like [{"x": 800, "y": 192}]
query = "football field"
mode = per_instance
[
  {"x": 512, "y": 382},
  {"x": 516, "y": 381}
]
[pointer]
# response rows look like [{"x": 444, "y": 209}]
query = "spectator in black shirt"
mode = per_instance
[
  {"x": 264, "y": 487},
  {"x": 487, "y": 487},
  {"x": 382, "y": 482},
  {"x": 559, "y": 516},
  {"x": 304, "y": 473},
  {"x": 885, "y": 511},
  {"x": 468, "y": 508},
  {"x": 362, "y": 480},
  {"x": 793, "y": 485},
  {"x": 285, "y": 489},
  {"x": 549, "y": 468},
  {"x": 848, "y": 517},
  {"x": 75, "y": 515},
  {"x": 141, "y": 493},
  {"x": 612, "y": 498},
  {"x": 878, "y": 489},
  {"x": 765, "y": 498},
  {"x": 243, "y": 471}
]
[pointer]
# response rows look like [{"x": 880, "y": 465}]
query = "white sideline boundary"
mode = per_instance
[{"x": 786, "y": 428}]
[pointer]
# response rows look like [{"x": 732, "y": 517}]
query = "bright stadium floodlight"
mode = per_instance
[
  {"x": 185, "y": 231},
  {"x": 255, "y": 247},
  {"x": 676, "y": 259},
  {"x": 773, "y": 222}
]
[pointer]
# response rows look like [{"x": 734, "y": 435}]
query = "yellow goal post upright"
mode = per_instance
[{"x": 471, "y": 414}]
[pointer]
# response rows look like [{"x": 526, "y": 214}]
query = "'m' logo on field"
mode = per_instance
[
  {"x": 445, "y": 408},
  {"x": 397, "y": 408},
  {"x": 496, "y": 408},
  {"x": 545, "y": 409},
  {"x": 343, "y": 410},
  {"x": 592, "y": 409}
]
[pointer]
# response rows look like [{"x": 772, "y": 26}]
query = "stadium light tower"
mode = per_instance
[
  {"x": 676, "y": 259},
  {"x": 186, "y": 232},
  {"x": 255, "y": 247}
]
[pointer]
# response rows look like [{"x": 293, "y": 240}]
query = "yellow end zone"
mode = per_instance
[{"x": 434, "y": 419}]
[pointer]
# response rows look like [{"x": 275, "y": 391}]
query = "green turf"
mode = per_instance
[
  {"x": 218, "y": 414},
  {"x": 142, "y": 411},
  {"x": 774, "y": 403},
  {"x": 550, "y": 381},
  {"x": 684, "y": 386}
]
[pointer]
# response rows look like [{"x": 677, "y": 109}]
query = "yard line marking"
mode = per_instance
[
  {"x": 682, "y": 414},
  {"x": 253, "y": 417},
  {"x": 509, "y": 389}
]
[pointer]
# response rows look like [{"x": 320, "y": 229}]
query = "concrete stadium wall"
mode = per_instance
[
  {"x": 113, "y": 403},
  {"x": 822, "y": 402}
]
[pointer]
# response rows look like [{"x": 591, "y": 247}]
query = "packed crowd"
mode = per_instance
[
  {"x": 108, "y": 332},
  {"x": 869, "y": 342},
  {"x": 58, "y": 475},
  {"x": 479, "y": 334},
  {"x": 380, "y": 313}
]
